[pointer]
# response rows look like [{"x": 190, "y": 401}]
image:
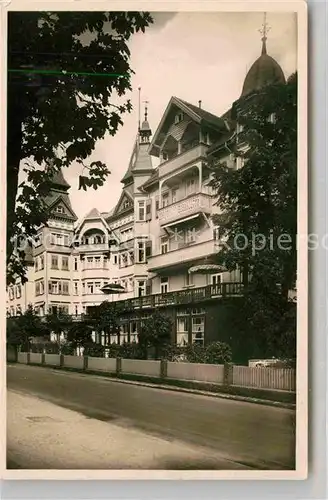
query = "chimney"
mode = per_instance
[{"x": 199, "y": 104}]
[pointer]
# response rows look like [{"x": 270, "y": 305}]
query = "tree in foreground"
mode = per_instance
[
  {"x": 258, "y": 219},
  {"x": 155, "y": 332},
  {"x": 22, "y": 329},
  {"x": 66, "y": 74}
]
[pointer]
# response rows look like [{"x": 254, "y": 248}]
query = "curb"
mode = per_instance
[
  {"x": 175, "y": 388},
  {"x": 221, "y": 395}
]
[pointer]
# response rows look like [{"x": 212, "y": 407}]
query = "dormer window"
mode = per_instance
[
  {"x": 178, "y": 118},
  {"x": 59, "y": 209}
]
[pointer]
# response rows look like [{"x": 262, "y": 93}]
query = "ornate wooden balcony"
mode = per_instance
[{"x": 192, "y": 205}]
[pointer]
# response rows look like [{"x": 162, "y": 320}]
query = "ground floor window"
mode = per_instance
[
  {"x": 190, "y": 326},
  {"x": 198, "y": 323}
]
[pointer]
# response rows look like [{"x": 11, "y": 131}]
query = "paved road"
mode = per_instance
[{"x": 261, "y": 437}]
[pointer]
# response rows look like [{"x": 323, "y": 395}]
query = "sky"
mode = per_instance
[{"x": 194, "y": 56}]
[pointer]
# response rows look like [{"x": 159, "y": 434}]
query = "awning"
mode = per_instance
[{"x": 180, "y": 221}]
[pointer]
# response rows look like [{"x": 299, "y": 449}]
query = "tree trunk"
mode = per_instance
[{"x": 14, "y": 144}]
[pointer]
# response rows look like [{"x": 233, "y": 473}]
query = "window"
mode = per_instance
[
  {"x": 148, "y": 210},
  {"x": 178, "y": 118},
  {"x": 240, "y": 162},
  {"x": 89, "y": 263},
  {"x": 190, "y": 235},
  {"x": 36, "y": 263},
  {"x": 197, "y": 324},
  {"x": 174, "y": 195},
  {"x": 141, "y": 211},
  {"x": 65, "y": 288},
  {"x": 164, "y": 284},
  {"x": 39, "y": 288},
  {"x": 141, "y": 255},
  {"x": 65, "y": 263},
  {"x": 53, "y": 287},
  {"x": 190, "y": 187},
  {"x": 141, "y": 288},
  {"x": 115, "y": 259},
  {"x": 18, "y": 310},
  {"x": 97, "y": 286},
  {"x": 164, "y": 245},
  {"x": 11, "y": 292},
  {"x": 42, "y": 262},
  {"x": 90, "y": 287},
  {"x": 18, "y": 291},
  {"x": 189, "y": 279},
  {"x": 216, "y": 279},
  {"x": 76, "y": 309},
  {"x": 76, "y": 288},
  {"x": 131, "y": 257},
  {"x": 83, "y": 288},
  {"x": 216, "y": 234},
  {"x": 165, "y": 199},
  {"x": 97, "y": 262},
  {"x": 75, "y": 263},
  {"x": 156, "y": 207},
  {"x": 272, "y": 118},
  {"x": 105, "y": 261},
  {"x": 59, "y": 209},
  {"x": 182, "y": 327},
  {"x": 148, "y": 249},
  {"x": 54, "y": 262}
]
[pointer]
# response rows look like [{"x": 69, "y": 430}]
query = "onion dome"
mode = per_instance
[{"x": 264, "y": 71}]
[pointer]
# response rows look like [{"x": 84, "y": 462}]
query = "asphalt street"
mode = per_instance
[{"x": 245, "y": 434}]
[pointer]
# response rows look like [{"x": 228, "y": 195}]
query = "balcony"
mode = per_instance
[
  {"x": 187, "y": 252},
  {"x": 192, "y": 205},
  {"x": 93, "y": 247},
  {"x": 182, "y": 159}
]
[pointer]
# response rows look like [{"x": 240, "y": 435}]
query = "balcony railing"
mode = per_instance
[
  {"x": 186, "y": 253},
  {"x": 184, "y": 158},
  {"x": 191, "y": 205}
]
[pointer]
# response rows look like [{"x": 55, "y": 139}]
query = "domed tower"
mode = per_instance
[{"x": 265, "y": 70}]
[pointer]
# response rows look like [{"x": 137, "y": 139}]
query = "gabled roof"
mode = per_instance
[
  {"x": 93, "y": 214},
  {"x": 54, "y": 197},
  {"x": 124, "y": 194},
  {"x": 197, "y": 114}
]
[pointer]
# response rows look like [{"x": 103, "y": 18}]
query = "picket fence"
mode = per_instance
[{"x": 282, "y": 379}]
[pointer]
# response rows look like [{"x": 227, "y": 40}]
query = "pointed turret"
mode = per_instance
[{"x": 140, "y": 161}]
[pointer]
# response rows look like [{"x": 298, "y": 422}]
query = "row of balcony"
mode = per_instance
[{"x": 180, "y": 297}]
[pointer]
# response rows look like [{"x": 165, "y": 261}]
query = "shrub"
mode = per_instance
[{"x": 218, "y": 353}]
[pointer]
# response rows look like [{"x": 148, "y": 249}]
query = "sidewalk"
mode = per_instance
[{"x": 42, "y": 435}]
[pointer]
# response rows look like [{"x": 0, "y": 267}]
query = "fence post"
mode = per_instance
[
  {"x": 163, "y": 368},
  {"x": 118, "y": 366},
  {"x": 228, "y": 374},
  {"x": 85, "y": 363},
  {"x": 28, "y": 358},
  {"x": 43, "y": 359},
  {"x": 61, "y": 360}
]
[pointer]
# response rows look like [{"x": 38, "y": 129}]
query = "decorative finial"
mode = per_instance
[
  {"x": 139, "y": 90},
  {"x": 146, "y": 109},
  {"x": 264, "y": 31}
]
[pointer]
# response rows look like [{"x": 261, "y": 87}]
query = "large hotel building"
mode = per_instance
[{"x": 160, "y": 228}]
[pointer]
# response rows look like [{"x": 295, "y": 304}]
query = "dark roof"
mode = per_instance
[
  {"x": 54, "y": 196},
  {"x": 264, "y": 71},
  {"x": 202, "y": 114},
  {"x": 58, "y": 180}
]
